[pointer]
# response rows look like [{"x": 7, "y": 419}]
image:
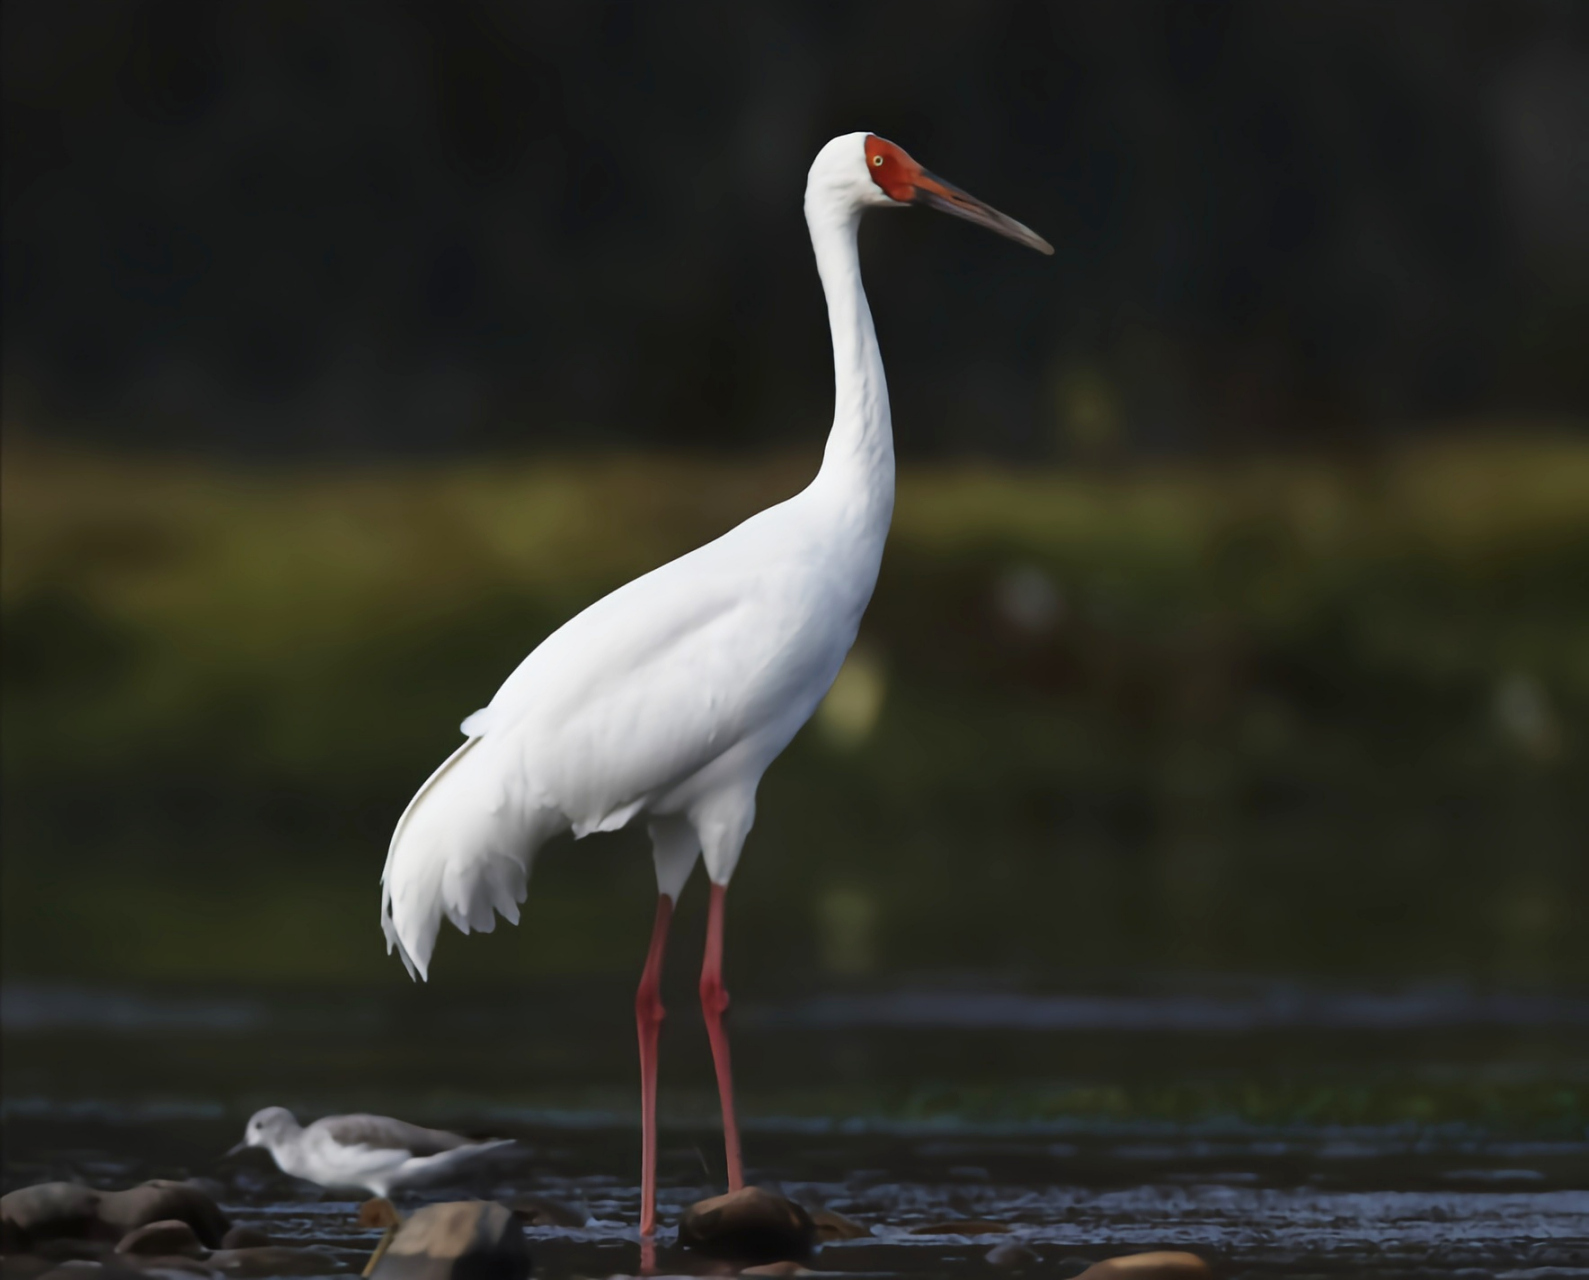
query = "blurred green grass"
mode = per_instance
[{"x": 1297, "y": 715}]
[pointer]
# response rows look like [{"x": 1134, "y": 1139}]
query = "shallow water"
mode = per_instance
[{"x": 1275, "y": 1130}]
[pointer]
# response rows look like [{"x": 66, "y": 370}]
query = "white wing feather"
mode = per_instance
[
  {"x": 718, "y": 656},
  {"x": 378, "y": 1169}
]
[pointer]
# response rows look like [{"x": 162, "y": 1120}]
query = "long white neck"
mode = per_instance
[{"x": 858, "y": 464}]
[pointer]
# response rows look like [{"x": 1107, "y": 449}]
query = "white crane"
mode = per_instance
[{"x": 668, "y": 699}]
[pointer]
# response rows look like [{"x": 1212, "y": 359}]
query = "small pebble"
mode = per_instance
[
  {"x": 458, "y": 1240},
  {"x": 53, "y": 1210},
  {"x": 751, "y": 1224},
  {"x": 1010, "y": 1255},
  {"x": 48, "y": 1211},
  {"x": 1159, "y": 1265},
  {"x": 160, "y": 1199},
  {"x": 785, "y": 1268}
]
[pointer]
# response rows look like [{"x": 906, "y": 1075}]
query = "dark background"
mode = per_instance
[
  {"x": 354, "y": 231},
  {"x": 1194, "y": 851},
  {"x": 1235, "y": 613}
]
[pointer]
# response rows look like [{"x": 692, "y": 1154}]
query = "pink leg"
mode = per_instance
[
  {"x": 648, "y": 1015},
  {"x": 714, "y": 1000}
]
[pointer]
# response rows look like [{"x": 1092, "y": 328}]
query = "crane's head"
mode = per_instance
[{"x": 860, "y": 170}]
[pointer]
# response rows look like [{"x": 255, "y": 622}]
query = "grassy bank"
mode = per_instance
[{"x": 1330, "y": 718}]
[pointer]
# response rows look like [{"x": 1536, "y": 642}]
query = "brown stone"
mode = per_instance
[
  {"x": 171, "y": 1236},
  {"x": 1010, "y": 1256},
  {"x": 49, "y": 1211},
  {"x": 245, "y": 1238},
  {"x": 785, "y": 1268},
  {"x": 835, "y": 1226},
  {"x": 160, "y": 1199},
  {"x": 751, "y": 1224},
  {"x": 65, "y": 1210},
  {"x": 273, "y": 1260},
  {"x": 1160, "y": 1265},
  {"x": 462, "y": 1240}
]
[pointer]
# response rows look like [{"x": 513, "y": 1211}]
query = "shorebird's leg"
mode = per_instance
[
  {"x": 648, "y": 1014},
  {"x": 379, "y": 1212},
  {"x": 714, "y": 1000}
]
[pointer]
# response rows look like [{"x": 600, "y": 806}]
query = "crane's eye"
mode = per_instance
[{"x": 877, "y": 162}]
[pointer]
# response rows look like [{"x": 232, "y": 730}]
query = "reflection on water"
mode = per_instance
[
  {"x": 1276, "y": 1130},
  {"x": 1273, "y": 1006},
  {"x": 41, "y": 1007}
]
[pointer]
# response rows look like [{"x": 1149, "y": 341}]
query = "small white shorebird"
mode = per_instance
[
  {"x": 668, "y": 699},
  {"x": 372, "y": 1153}
]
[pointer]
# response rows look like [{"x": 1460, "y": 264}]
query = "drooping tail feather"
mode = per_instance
[{"x": 462, "y": 849}]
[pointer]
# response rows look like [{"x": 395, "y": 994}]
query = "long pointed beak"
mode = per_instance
[
  {"x": 932, "y": 190},
  {"x": 237, "y": 1150}
]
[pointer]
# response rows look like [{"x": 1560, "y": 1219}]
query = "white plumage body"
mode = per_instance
[
  {"x": 669, "y": 698},
  {"x": 320, "y": 1159},
  {"x": 376, "y": 1154}
]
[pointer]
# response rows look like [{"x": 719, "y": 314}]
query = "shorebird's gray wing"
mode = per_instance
[{"x": 388, "y": 1134}]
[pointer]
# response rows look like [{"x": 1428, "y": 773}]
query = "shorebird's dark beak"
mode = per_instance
[{"x": 237, "y": 1150}]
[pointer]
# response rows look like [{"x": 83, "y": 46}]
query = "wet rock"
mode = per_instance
[
  {"x": 160, "y": 1199},
  {"x": 835, "y": 1226},
  {"x": 534, "y": 1211},
  {"x": 463, "y": 1240},
  {"x": 171, "y": 1236},
  {"x": 211, "y": 1187},
  {"x": 66, "y": 1210},
  {"x": 1010, "y": 1256},
  {"x": 968, "y": 1227},
  {"x": 752, "y": 1224},
  {"x": 48, "y": 1211},
  {"x": 273, "y": 1260},
  {"x": 242, "y": 1237},
  {"x": 1160, "y": 1265}
]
